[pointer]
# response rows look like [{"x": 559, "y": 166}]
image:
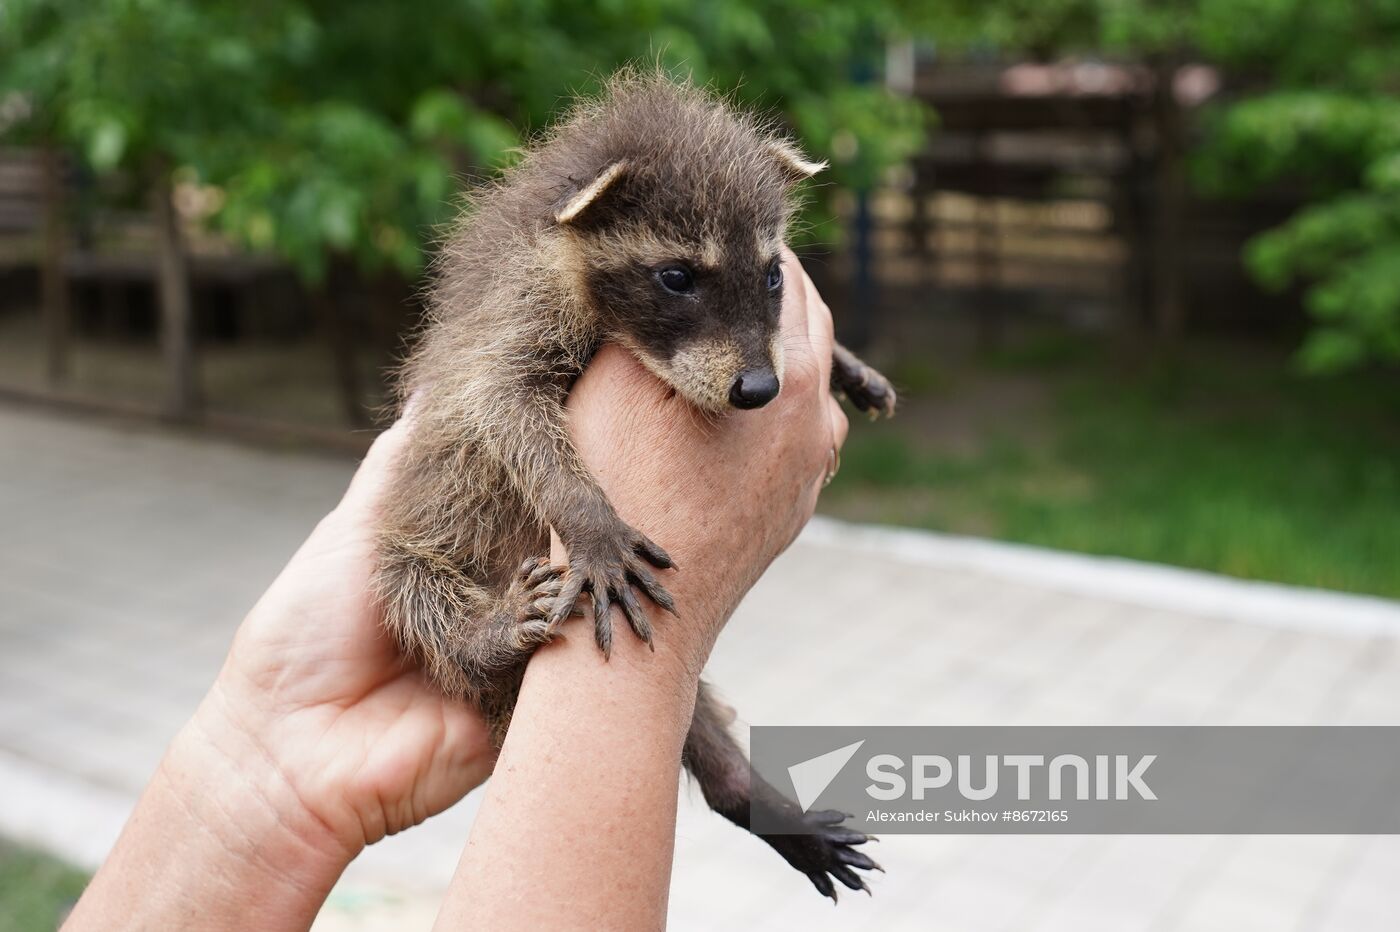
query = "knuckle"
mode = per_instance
[
  {"x": 840, "y": 423},
  {"x": 803, "y": 378}
]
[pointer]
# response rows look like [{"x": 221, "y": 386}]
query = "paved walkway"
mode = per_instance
[{"x": 128, "y": 555}]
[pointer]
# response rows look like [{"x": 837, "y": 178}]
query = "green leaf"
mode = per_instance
[
  {"x": 107, "y": 145},
  {"x": 438, "y": 114},
  {"x": 1330, "y": 350},
  {"x": 338, "y": 218},
  {"x": 1384, "y": 173}
]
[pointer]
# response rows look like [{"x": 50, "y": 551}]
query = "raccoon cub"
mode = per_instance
[{"x": 652, "y": 217}]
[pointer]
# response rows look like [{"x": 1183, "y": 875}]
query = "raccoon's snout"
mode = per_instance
[{"x": 753, "y": 388}]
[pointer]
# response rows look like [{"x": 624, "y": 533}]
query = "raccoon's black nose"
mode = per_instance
[{"x": 754, "y": 388}]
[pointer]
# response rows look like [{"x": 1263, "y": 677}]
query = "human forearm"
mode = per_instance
[
  {"x": 217, "y": 841},
  {"x": 578, "y": 824}
]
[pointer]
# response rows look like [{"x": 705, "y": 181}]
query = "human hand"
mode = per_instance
[
  {"x": 362, "y": 740},
  {"x": 725, "y": 496},
  {"x": 315, "y": 740}
]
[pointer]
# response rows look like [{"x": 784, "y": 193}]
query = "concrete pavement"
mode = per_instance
[{"x": 128, "y": 554}]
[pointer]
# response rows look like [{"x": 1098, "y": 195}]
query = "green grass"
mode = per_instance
[
  {"x": 34, "y": 889},
  {"x": 1225, "y": 461}
]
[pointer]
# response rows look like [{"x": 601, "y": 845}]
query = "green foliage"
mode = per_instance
[
  {"x": 34, "y": 889},
  {"x": 1349, "y": 246},
  {"x": 1044, "y": 28},
  {"x": 1326, "y": 139},
  {"x": 126, "y": 79},
  {"x": 343, "y": 128},
  {"x": 1229, "y": 462},
  {"x": 1034, "y": 27},
  {"x": 1332, "y": 124}
]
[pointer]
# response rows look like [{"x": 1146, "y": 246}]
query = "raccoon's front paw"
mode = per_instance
[
  {"x": 607, "y": 567},
  {"x": 821, "y": 848},
  {"x": 871, "y": 392}
]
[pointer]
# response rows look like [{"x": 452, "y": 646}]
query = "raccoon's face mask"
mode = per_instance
[
  {"x": 706, "y": 323},
  {"x": 708, "y": 329},
  {"x": 696, "y": 294}
]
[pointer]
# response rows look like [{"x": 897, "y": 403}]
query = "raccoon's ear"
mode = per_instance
[
  {"x": 794, "y": 163},
  {"x": 579, "y": 202}
]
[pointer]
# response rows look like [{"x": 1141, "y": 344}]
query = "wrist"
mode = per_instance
[
  {"x": 240, "y": 799},
  {"x": 585, "y": 788},
  {"x": 242, "y": 745},
  {"x": 217, "y": 841}
]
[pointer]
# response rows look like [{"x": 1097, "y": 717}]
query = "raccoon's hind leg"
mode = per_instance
[
  {"x": 867, "y": 389},
  {"x": 814, "y": 842},
  {"x": 471, "y": 639}
]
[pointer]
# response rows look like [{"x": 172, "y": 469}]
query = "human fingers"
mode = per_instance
[
  {"x": 375, "y": 470},
  {"x": 804, "y": 299},
  {"x": 840, "y": 424},
  {"x": 820, "y": 328},
  {"x": 615, "y": 376},
  {"x": 795, "y": 295},
  {"x": 820, "y": 343}
]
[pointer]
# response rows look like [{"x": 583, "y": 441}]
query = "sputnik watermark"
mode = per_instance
[
  {"x": 1174, "y": 779},
  {"x": 810, "y": 778},
  {"x": 1113, "y": 777}
]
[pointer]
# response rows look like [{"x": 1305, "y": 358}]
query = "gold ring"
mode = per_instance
[{"x": 833, "y": 466}]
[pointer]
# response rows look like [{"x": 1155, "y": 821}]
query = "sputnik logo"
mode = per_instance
[{"x": 811, "y": 777}]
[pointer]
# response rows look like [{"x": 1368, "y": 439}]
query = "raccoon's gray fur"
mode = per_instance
[{"x": 653, "y": 217}]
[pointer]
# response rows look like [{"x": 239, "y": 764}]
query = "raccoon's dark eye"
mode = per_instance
[
  {"x": 775, "y": 275},
  {"x": 676, "y": 279}
]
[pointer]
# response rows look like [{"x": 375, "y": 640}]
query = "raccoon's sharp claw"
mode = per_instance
[
  {"x": 609, "y": 568},
  {"x": 540, "y": 570},
  {"x": 827, "y": 817},
  {"x": 534, "y": 593},
  {"x": 645, "y": 548},
  {"x": 877, "y": 399},
  {"x": 846, "y": 876},
  {"x": 602, "y": 608},
  {"x": 568, "y": 595},
  {"x": 636, "y": 618},
  {"x": 607, "y": 591},
  {"x": 602, "y": 629},
  {"x": 818, "y": 846},
  {"x": 534, "y": 633},
  {"x": 858, "y": 859},
  {"x": 642, "y": 577},
  {"x": 863, "y": 387}
]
